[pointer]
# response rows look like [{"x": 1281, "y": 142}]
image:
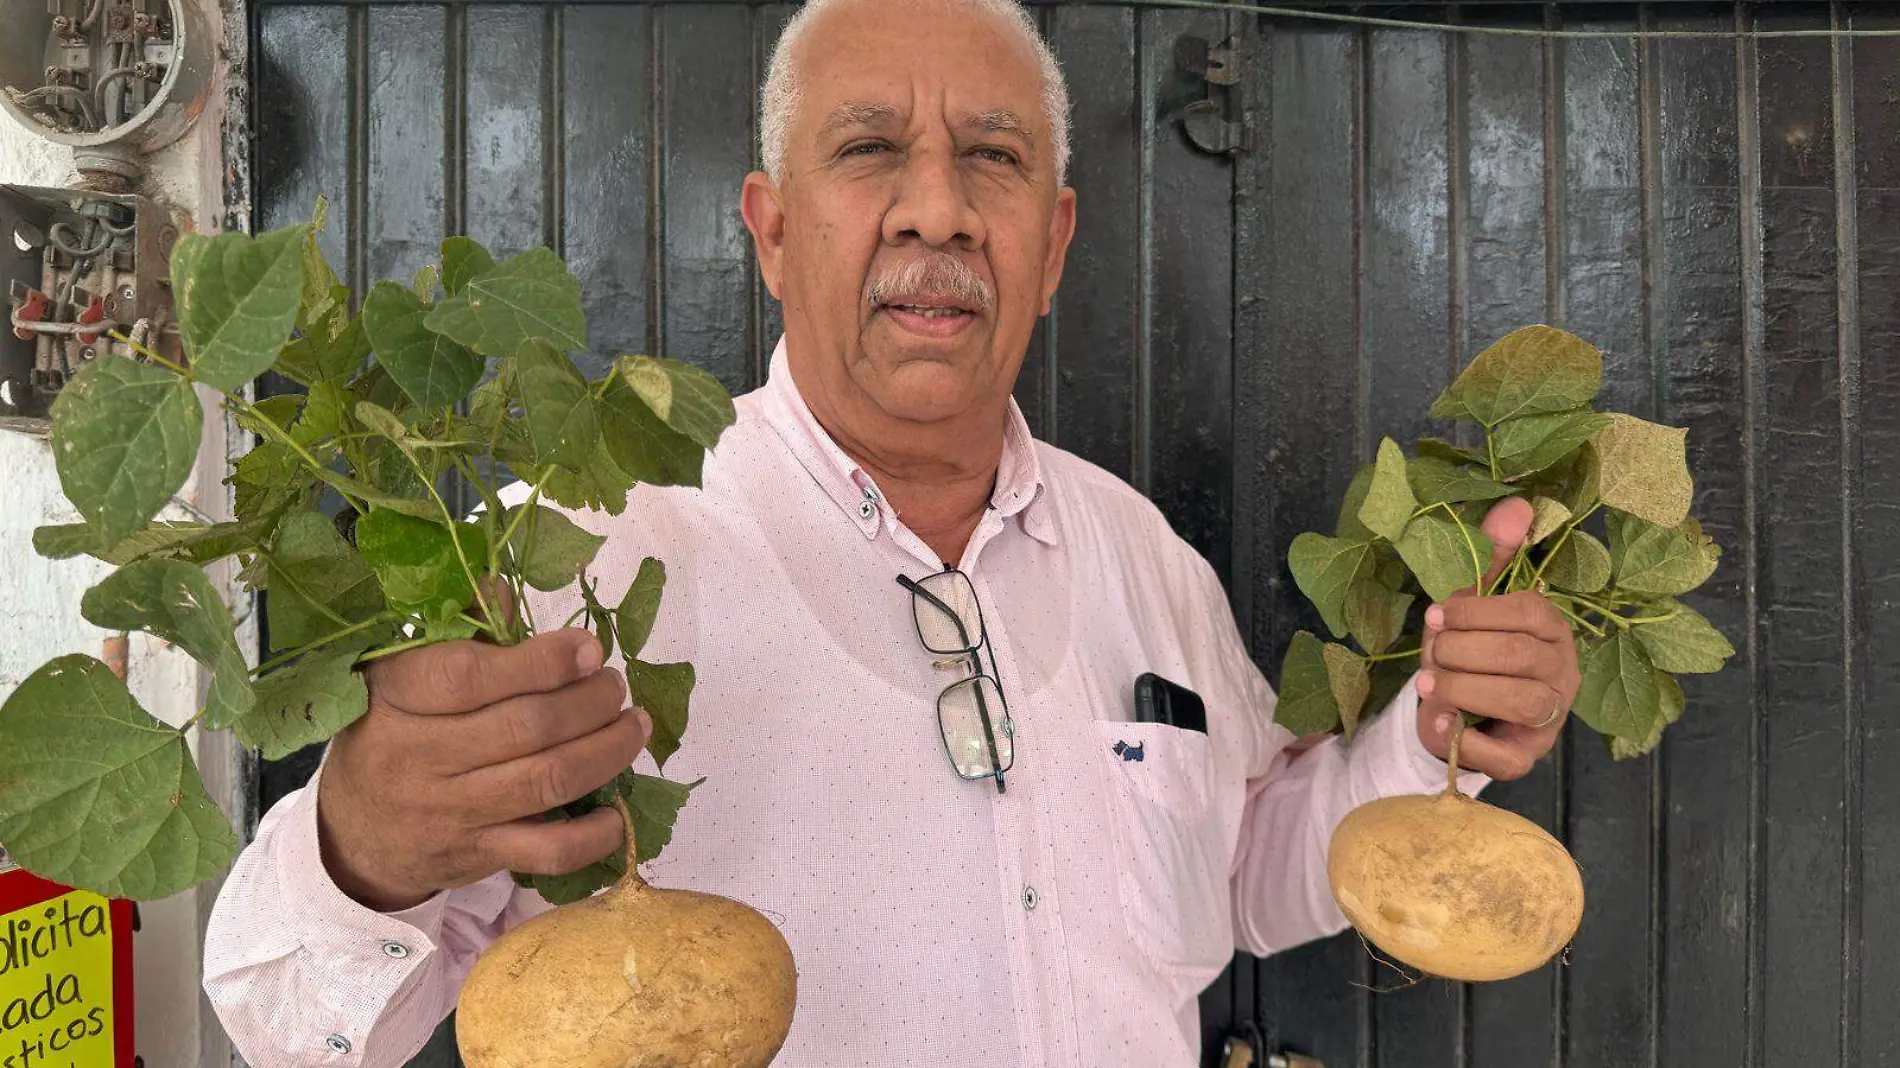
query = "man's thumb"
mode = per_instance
[{"x": 1507, "y": 524}]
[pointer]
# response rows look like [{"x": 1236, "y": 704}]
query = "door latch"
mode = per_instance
[{"x": 1215, "y": 122}]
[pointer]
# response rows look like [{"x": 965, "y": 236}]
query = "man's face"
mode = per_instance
[{"x": 919, "y": 231}]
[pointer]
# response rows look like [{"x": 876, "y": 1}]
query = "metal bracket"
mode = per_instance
[
  {"x": 1244, "y": 1049},
  {"x": 1216, "y": 122}
]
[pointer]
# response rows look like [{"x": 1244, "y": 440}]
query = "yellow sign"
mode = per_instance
[{"x": 56, "y": 984}]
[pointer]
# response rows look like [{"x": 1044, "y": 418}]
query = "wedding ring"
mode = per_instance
[{"x": 1552, "y": 718}]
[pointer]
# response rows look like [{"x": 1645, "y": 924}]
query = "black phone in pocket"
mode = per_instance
[{"x": 1158, "y": 700}]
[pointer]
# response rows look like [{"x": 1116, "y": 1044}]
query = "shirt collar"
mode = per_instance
[{"x": 1020, "y": 487}]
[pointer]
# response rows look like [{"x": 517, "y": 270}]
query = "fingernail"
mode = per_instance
[
  {"x": 1435, "y": 617},
  {"x": 587, "y": 656},
  {"x": 646, "y": 725},
  {"x": 1427, "y": 682},
  {"x": 1444, "y": 723}
]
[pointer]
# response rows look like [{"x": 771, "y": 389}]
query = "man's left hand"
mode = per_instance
[{"x": 1509, "y": 658}]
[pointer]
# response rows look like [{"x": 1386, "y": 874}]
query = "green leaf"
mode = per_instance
[
  {"x": 1437, "y": 482},
  {"x": 430, "y": 368},
  {"x": 686, "y": 398},
  {"x": 1532, "y": 443},
  {"x": 1389, "y": 500},
  {"x": 1685, "y": 642},
  {"x": 318, "y": 283},
  {"x": 173, "y": 600},
  {"x": 1620, "y": 695},
  {"x": 196, "y": 543},
  {"x": 1671, "y": 710},
  {"x": 640, "y": 607},
  {"x": 1547, "y": 518},
  {"x": 96, "y": 794},
  {"x": 1375, "y": 614},
  {"x": 318, "y": 584},
  {"x": 600, "y": 485},
  {"x": 643, "y": 447},
  {"x": 1347, "y": 677},
  {"x": 379, "y": 420},
  {"x": 654, "y": 804},
  {"x": 1659, "y": 561},
  {"x": 267, "y": 480},
  {"x": 306, "y": 702},
  {"x": 1306, "y": 703},
  {"x": 665, "y": 691},
  {"x": 332, "y": 348},
  {"x": 416, "y": 563},
  {"x": 125, "y": 436},
  {"x": 1580, "y": 565},
  {"x": 375, "y": 385},
  {"x": 559, "y": 408},
  {"x": 1642, "y": 468},
  {"x": 1325, "y": 569},
  {"x": 1455, "y": 455},
  {"x": 463, "y": 259},
  {"x": 425, "y": 282},
  {"x": 530, "y": 297},
  {"x": 1443, "y": 555},
  {"x": 1393, "y": 574},
  {"x": 1348, "y": 525},
  {"x": 1529, "y": 371},
  {"x": 279, "y": 412},
  {"x": 237, "y": 298},
  {"x": 325, "y": 413},
  {"x": 556, "y": 553}
]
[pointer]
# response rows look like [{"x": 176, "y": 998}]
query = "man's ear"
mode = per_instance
[
  {"x": 1061, "y": 232},
  {"x": 765, "y": 217}
]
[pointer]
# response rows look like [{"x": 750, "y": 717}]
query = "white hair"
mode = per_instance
[{"x": 779, "y": 99}]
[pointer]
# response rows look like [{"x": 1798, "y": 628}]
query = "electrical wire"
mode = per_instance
[{"x": 1503, "y": 31}]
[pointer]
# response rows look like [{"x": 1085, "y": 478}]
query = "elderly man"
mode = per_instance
[{"x": 880, "y": 552}]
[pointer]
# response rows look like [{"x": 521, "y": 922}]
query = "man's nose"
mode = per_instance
[{"x": 932, "y": 203}]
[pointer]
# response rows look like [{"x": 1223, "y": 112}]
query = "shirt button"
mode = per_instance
[
  {"x": 867, "y": 509},
  {"x": 1029, "y": 897},
  {"x": 395, "y": 950},
  {"x": 338, "y": 1044}
]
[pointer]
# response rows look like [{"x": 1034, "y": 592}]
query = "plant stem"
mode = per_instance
[
  {"x": 1491, "y": 453},
  {"x": 1477, "y": 564},
  {"x": 1638, "y": 620},
  {"x": 1575, "y": 520},
  {"x": 1451, "y": 756},
  {"x": 293, "y": 654},
  {"x": 631, "y": 877},
  {"x": 392, "y": 650},
  {"x": 479, "y": 625},
  {"x": 1575, "y": 618},
  {"x": 1400, "y": 655},
  {"x": 279, "y": 573}
]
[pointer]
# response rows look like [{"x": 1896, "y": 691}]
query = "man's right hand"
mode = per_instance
[{"x": 444, "y": 780}]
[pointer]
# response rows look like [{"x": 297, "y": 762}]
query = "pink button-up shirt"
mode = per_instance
[{"x": 1070, "y": 922}]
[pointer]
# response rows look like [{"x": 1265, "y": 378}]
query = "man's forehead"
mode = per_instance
[
  {"x": 855, "y": 113},
  {"x": 886, "y": 53}
]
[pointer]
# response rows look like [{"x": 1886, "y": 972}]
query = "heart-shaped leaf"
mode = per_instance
[
  {"x": 1532, "y": 443},
  {"x": 125, "y": 436},
  {"x": 558, "y": 406},
  {"x": 530, "y": 297},
  {"x": 1389, "y": 500},
  {"x": 1532, "y": 370},
  {"x": 1660, "y": 561},
  {"x": 1547, "y": 517},
  {"x": 640, "y": 607},
  {"x": 462, "y": 260},
  {"x": 1445, "y": 556},
  {"x": 1375, "y": 614},
  {"x": 1669, "y": 710},
  {"x": 318, "y": 585},
  {"x": 1325, "y": 569},
  {"x": 1306, "y": 703},
  {"x": 1437, "y": 482},
  {"x": 1641, "y": 468},
  {"x": 1346, "y": 675},
  {"x": 665, "y": 691},
  {"x": 550, "y": 549},
  {"x": 1683, "y": 640},
  {"x": 96, "y": 794},
  {"x": 1581, "y": 564},
  {"x": 686, "y": 398},
  {"x": 1619, "y": 695},
  {"x": 430, "y": 368},
  {"x": 416, "y": 563},
  {"x": 306, "y": 702},
  {"x": 237, "y": 298},
  {"x": 643, "y": 447},
  {"x": 173, "y": 600}
]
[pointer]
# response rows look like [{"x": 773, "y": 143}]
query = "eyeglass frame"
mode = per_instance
[{"x": 972, "y": 650}]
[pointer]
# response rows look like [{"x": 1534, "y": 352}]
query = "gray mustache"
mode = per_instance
[{"x": 936, "y": 274}]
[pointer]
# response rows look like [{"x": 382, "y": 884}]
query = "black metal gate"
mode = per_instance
[{"x": 1236, "y": 329}]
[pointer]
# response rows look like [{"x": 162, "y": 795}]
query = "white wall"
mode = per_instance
[{"x": 39, "y": 600}]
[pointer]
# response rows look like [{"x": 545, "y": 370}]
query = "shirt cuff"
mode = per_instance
[
  {"x": 1393, "y": 740},
  {"x": 372, "y": 952}
]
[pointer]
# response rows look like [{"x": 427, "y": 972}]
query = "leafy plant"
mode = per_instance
[
  {"x": 341, "y": 518},
  {"x": 1612, "y": 545}
]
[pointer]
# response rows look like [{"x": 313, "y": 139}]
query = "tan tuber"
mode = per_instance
[
  {"x": 1455, "y": 887},
  {"x": 635, "y": 977}
]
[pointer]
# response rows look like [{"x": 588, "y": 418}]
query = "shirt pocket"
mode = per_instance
[{"x": 1171, "y": 869}]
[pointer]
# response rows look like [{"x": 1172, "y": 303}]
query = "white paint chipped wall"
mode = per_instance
[{"x": 39, "y": 603}]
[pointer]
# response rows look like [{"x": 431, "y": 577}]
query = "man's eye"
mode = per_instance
[
  {"x": 996, "y": 155},
  {"x": 867, "y": 148}
]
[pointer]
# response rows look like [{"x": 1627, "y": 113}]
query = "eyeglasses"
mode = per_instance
[{"x": 950, "y": 624}]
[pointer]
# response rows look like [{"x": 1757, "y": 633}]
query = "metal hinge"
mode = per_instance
[{"x": 1215, "y": 123}]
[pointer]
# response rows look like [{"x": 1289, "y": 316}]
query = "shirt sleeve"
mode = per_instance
[{"x": 300, "y": 974}]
